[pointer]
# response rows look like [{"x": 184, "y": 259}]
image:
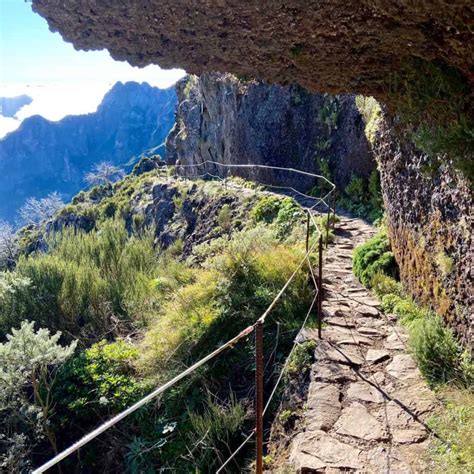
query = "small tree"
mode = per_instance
[
  {"x": 8, "y": 245},
  {"x": 35, "y": 210},
  {"x": 104, "y": 173},
  {"x": 29, "y": 362}
]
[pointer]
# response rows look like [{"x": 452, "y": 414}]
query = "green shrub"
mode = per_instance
[
  {"x": 224, "y": 218},
  {"x": 30, "y": 361},
  {"x": 356, "y": 189},
  {"x": 266, "y": 209},
  {"x": 321, "y": 186},
  {"x": 101, "y": 380},
  {"x": 285, "y": 213},
  {"x": 84, "y": 280},
  {"x": 374, "y": 256},
  {"x": 301, "y": 359},
  {"x": 452, "y": 452},
  {"x": 371, "y": 112},
  {"x": 438, "y": 354},
  {"x": 389, "y": 302},
  {"x": 383, "y": 285},
  {"x": 328, "y": 113},
  {"x": 363, "y": 197},
  {"x": 289, "y": 215},
  {"x": 215, "y": 432}
]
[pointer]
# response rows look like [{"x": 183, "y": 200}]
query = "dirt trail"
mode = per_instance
[{"x": 367, "y": 401}]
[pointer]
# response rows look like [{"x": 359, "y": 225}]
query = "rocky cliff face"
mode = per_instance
[
  {"x": 44, "y": 156},
  {"x": 224, "y": 119},
  {"x": 429, "y": 216}
]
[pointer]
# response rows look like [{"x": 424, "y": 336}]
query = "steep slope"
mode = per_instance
[{"x": 44, "y": 156}]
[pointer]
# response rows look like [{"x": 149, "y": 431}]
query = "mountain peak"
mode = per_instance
[{"x": 43, "y": 156}]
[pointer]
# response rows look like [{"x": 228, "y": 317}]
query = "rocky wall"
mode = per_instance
[
  {"x": 429, "y": 210},
  {"x": 224, "y": 119}
]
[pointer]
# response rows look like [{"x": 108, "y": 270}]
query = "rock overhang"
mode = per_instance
[{"x": 325, "y": 45}]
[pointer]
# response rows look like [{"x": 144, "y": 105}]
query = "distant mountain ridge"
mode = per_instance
[{"x": 43, "y": 156}]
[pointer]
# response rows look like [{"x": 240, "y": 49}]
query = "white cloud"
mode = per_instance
[
  {"x": 56, "y": 100},
  {"x": 7, "y": 125}
]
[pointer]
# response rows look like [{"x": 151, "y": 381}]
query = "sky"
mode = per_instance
[{"x": 60, "y": 80}]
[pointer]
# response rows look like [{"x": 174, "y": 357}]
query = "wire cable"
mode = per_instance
[{"x": 108, "y": 424}]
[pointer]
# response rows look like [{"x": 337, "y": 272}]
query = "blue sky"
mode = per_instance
[{"x": 60, "y": 79}]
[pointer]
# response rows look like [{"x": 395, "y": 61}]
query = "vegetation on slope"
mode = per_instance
[{"x": 140, "y": 313}]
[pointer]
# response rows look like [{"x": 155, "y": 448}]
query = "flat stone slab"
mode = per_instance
[
  {"x": 375, "y": 356},
  {"x": 396, "y": 341},
  {"x": 324, "y": 406},
  {"x": 368, "y": 311},
  {"x": 356, "y": 340},
  {"x": 356, "y": 421},
  {"x": 326, "y": 351},
  {"x": 341, "y": 322},
  {"x": 333, "y": 372},
  {"x": 408, "y": 436},
  {"x": 394, "y": 459},
  {"x": 398, "y": 418},
  {"x": 417, "y": 397},
  {"x": 362, "y": 391},
  {"x": 372, "y": 332},
  {"x": 403, "y": 367},
  {"x": 317, "y": 450}
]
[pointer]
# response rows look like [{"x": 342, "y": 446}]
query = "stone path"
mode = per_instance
[{"x": 367, "y": 402}]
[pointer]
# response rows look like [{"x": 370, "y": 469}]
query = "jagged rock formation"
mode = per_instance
[
  {"x": 325, "y": 45},
  {"x": 224, "y": 119},
  {"x": 43, "y": 156},
  {"x": 175, "y": 210}
]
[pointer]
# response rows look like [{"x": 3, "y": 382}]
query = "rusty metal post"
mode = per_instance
[
  {"x": 320, "y": 285},
  {"x": 307, "y": 232},
  {"x": 259, "y": 396},
  {"x": 327, "y": 225}
]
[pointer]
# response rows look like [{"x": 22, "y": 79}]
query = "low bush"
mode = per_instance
[
  {"x": 301, "y": 359},
  {"x": 373, "y": 257},
  {"x": 439, "y": 355},
  {"x": 214, "y": 432},
  {"x": 85, "y": 282},
  {"x": 363, "y": 197},
  {"x": 266, "y": 209},
  {"x": 98, "y": 382},
  {"x": 224, "y": 218},
  {"x": 382, "y": 285}
]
